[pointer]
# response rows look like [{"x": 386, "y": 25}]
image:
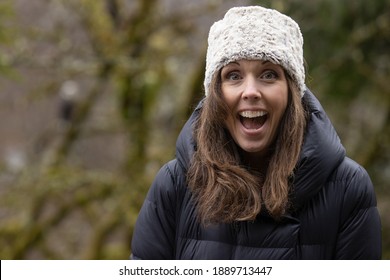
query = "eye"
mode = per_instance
[
  {"x": 232, "y": 76},
  {"x": 269, "y": 75}
]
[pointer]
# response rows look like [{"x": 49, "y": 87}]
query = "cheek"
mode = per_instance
[
  {"x": 227, "y": 96},
  {"x": 283, "y": 107},
  {"x": 280, "y": 105},
  {"x": 283, "y": 96},
  {"x": 231, "y": 101}
]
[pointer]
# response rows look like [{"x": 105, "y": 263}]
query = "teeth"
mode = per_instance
[{"x": 252, "y": 114}]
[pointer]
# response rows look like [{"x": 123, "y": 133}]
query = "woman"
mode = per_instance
[{"x": 259, "y": 172}]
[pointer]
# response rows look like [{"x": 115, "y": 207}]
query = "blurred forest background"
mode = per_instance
[{"x": 93, "y": 94}]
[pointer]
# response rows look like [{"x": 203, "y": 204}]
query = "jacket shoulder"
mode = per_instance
[
  {"x": 166, "y": 185},
  {"x": 359, "y": 235},
  {"x": 154, "y": 232},
  {"x": 350, "y": 171},
  {"x": 356, "y": 186}
]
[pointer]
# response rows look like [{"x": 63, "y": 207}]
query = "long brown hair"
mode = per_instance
[{"x": 224, "y": 189}]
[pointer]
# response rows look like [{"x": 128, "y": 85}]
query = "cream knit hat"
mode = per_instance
[{"x": 255, "y": 32}]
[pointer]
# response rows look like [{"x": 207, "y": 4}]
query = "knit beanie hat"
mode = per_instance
[{"x": 252, "y": 33}]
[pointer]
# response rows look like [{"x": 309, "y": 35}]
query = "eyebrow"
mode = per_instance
[
  {"x": 233, "y": 62},
  {"x": 262, "y": 62}
]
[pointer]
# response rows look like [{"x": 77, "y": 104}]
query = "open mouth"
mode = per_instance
[{"x": 253, "y": 119}]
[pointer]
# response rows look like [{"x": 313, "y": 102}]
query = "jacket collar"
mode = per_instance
[{"x": 321, "y": 153}]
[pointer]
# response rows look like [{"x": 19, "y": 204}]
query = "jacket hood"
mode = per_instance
[
  {"x": 321, "y": 152},
  {"x": 185, "y": 144}
]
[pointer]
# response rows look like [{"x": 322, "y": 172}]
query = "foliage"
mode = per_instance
[
  {"x": 69, "y": 214},
  {"x": 6, "y": 13},
  {"x": 346, "y": 49},
  {"x": 56, "y": 208}
]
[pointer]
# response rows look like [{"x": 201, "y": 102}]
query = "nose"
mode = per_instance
[{"x": 251, "y": 90}]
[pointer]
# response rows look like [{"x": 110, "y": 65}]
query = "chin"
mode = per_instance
[{"x": 254, "y": 150}]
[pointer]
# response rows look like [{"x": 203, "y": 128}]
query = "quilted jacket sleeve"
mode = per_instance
[
  {"x": 360, "y": 233},
  {"x": 154, "y": 233}
]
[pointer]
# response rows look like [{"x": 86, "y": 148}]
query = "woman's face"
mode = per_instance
[{"x": 256, "y": 92}]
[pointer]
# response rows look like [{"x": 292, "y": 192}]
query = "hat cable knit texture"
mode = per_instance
[{"x": 252, "y": 33}]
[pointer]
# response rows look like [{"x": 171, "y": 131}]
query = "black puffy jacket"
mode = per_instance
[{"x": 336, "y": 215}]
